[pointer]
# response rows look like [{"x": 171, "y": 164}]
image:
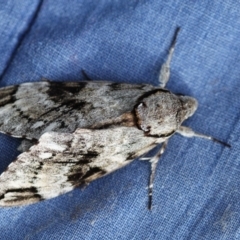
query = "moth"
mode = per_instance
[{"x": 85, "y": 130}]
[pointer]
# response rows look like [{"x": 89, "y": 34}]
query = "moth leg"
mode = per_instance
[
  {"x": 188, "y": 132},
  {"x": 154, "y": 161},
  {"x": 164, "y": 74},
  {"x": 143, "y": 158}
]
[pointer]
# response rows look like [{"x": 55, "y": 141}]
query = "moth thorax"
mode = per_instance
[{"x": 162, "y": 113}]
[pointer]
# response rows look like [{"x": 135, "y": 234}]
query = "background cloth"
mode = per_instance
[{"x": 196, "y": 192}]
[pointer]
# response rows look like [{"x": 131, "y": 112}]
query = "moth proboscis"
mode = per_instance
[{"x": 86, "y": 130}]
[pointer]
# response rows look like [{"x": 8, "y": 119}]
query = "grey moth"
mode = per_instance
[{"x": 85, "y": 130}]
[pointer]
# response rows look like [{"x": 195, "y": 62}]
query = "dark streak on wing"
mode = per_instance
[
  {"x": 77, "y": 175},
  {"x": 91, "y": 154},
  {"x": 73, "y": 104},
  {"x": 29, "y": 193},
  {"x": 7, "y": 95},
  {"x": 85, "y": 158},
  {"x": 60, "y": 89},
  {"x": 115, "y": 86},
  {"x": 40, "y": 166},
  {"x": 78, "y": 178},
  {"x": 119, "y": 86},
  {"x": 21, "y": 190},
  {"x": 94, "y": 171},
  {"x": 130, "y": 157}
]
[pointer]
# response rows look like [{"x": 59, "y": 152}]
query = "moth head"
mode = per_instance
[
  {"x": 189, "y": 106},
  {"x": 161, "y": 113}
]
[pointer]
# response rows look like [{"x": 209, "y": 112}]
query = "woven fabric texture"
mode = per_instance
[{"x": 196, "y": 192}]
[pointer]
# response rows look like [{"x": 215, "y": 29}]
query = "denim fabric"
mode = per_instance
[{"x": 196, "y": 191}]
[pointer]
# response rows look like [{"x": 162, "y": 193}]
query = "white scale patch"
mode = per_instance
[{"x": 37, "y": 124}]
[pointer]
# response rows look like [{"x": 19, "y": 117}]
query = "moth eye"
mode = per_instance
[
  {"x": 142, "y": 104},
  {"x": 146, "y": 129}
]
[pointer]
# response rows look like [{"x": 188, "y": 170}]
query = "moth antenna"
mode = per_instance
[
  {"x": 220, "y": 142},
  {"x": 164, "y": 74},
  {"x": 154, "y": 161},
  {"x": 188, "y": 132}
]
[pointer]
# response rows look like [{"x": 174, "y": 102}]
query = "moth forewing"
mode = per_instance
[{"x": 63, "y": 161}]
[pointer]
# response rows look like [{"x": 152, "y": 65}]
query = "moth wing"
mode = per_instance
[
  {"x": 31, "y": 109},
  {"x": 63, "y": 161}
]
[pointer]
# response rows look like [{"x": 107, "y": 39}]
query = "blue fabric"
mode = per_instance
[{"x": 196, "y": 192}]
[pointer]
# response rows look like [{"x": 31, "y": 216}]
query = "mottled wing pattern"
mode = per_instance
[
  {"x": 63, "y": 161},
  {"x": 31, "y": 109}
]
